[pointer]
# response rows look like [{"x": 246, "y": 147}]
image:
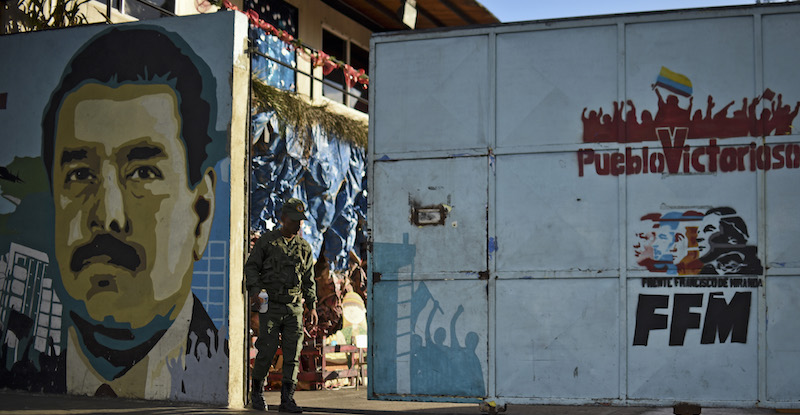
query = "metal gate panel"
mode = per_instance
[
  {"x": 780, "y": 56},
  {"x": 783, "y": 348},
  {"x": 537, "y": 79},
  {"x": 547, "y": 227},
  {"x": 783, "y": 226},
  {"x": 438, "y": 206},
  {"x": 560, "y": 338},
  {"x": 441, "y": 86},
  {"x": 563, "y": 195},
  {"x": 674, "y": 363},
  {"x": 728, "y": 73},
  {"x": 431, "y": 339}
]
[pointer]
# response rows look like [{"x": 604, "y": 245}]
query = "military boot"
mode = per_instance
[
  {"x": 287, "y": 399},
  {"x": 257, "y": 395}
]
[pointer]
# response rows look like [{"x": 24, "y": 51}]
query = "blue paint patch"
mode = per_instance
[
  {"x": 126, "y": 338},
  {"x": 492, "y": 244},
  {"x": 527, "y": 277},
  {"x": 460, "y": 155},
  {"x": 200, "y": 280},
  {"x": 383, "y": 158},
  {"x": 390, "y": 258}
]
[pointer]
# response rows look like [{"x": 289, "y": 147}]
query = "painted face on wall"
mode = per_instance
[
  {"x": 681, "y": 247},
  {"x": 664, "y": 244},
  {"x": 709, "y": 227},
  {"x": 643, "y": 249},
  {"x": 128, "y": 226}
]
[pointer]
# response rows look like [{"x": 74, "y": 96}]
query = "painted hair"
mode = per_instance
[{"x": 146, "y": 55}]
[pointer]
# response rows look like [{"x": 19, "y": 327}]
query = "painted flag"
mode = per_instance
[
  {"x": 419, "y": 300},
  {"x": 19, "y": 324},
  {"x": 769, "y": 94},
  {"x": 674, "y": 82}
]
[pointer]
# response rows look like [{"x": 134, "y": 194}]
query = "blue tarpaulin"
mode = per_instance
[
  {"x": 330, "y": 178},
  {"x": 267, "y": 71}
]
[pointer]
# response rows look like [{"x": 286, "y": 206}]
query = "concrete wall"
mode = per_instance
[{"x": 122, "y": 175}]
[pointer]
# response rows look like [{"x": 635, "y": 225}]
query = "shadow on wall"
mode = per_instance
[
  {"x": 437, "y": 369},
  {"x": 405, "y": 361},
  {"x": 388, "y": 259}
]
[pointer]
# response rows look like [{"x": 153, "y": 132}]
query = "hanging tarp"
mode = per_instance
[
  {"x": 325, "y": 172},
  {"x": 267, "y": 71}
]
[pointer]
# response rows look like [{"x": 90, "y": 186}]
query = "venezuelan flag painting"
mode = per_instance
[{"x": 675, "y": 82}]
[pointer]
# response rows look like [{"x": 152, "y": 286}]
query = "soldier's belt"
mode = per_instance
[{"x": 284, "y": 298}]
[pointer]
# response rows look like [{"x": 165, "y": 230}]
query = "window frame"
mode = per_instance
[{"x": 348, "y": 42}]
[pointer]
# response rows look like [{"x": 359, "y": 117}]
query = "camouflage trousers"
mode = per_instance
[{"x": 281, "y": 324}]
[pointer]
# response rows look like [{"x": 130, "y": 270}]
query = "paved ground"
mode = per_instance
[{"x": 325, "y": 402}]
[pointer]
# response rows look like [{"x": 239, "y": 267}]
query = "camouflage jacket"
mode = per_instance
[{"x": 285, "y": 268}]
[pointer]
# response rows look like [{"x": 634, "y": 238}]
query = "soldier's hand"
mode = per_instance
[
  {"x": 255, "y": 302},
  {"x": 314, "y": 318}
]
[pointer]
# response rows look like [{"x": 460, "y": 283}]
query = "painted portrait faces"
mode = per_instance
[{"x": 128, "y": 224}]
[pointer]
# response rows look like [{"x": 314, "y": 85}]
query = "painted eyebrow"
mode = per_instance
[
  {"x": 70, "y": 155},
  {"x": 144, "y": 153}
]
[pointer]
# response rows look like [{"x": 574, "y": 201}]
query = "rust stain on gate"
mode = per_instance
[{"x": 434, "y": 215}]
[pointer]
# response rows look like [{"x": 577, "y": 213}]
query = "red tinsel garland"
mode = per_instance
[{"x": 318, "y": 58}]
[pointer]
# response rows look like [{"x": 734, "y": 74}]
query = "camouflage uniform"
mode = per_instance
[{"x": 285, "y": 269}]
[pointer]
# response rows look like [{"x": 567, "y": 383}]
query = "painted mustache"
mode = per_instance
[{"x": 105, "y": 245}]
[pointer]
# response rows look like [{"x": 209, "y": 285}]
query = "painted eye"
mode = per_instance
[
  {"x": 79, "y": 175},
  {"x": 145, "y": 173}
]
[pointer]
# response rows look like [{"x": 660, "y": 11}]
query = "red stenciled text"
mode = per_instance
[{"x": 675, "y": 157}]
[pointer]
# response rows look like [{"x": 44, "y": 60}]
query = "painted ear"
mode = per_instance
[{"x": 204, "y": 208}]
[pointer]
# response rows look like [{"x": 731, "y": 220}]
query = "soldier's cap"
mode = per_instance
[{"x": 294, "y": 209}]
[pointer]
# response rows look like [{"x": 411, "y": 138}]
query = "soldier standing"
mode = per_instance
[{"x": 281, "y": 264}]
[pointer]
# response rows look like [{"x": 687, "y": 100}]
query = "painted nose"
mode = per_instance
[{"x": 111, "y": 212}]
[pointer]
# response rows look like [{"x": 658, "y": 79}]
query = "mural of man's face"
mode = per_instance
[
  {"x": 128, "y": 227},
  {"x": 680, "y": 248},
  {"x": 708, "y": 228},
  {"x": 643, "y": 249},
  {"x": 663, "y": 245}
]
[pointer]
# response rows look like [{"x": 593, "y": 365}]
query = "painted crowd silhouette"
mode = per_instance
[
  {"x": 775, "y": 118},
  {"x": 436, "y": 367}
]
